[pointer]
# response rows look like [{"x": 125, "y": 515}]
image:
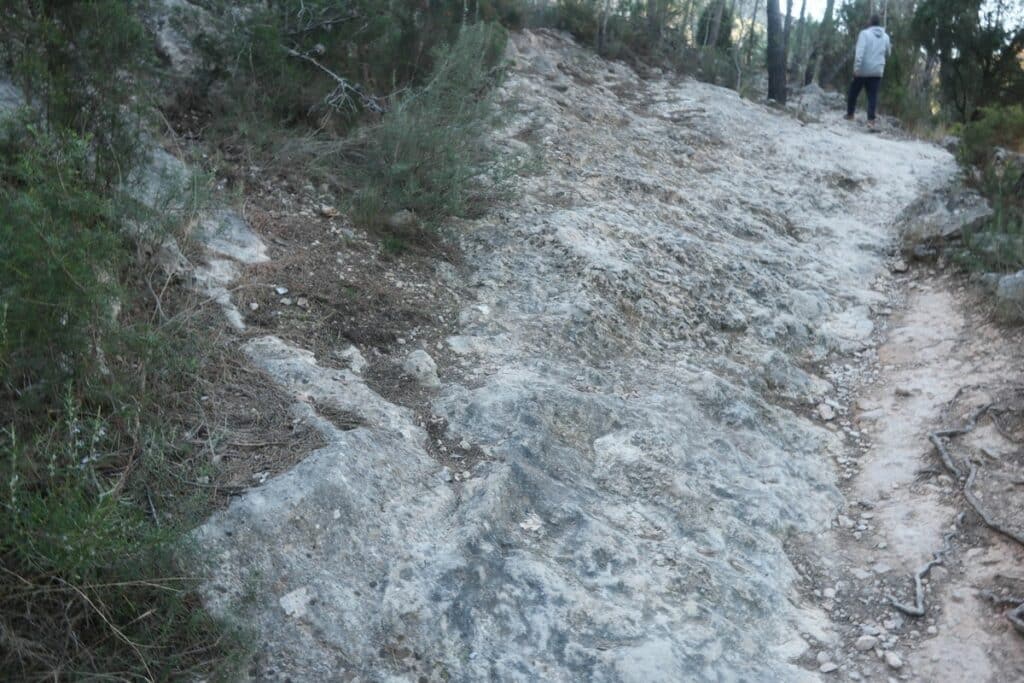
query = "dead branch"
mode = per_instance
[{"x": 345, "y": 93}]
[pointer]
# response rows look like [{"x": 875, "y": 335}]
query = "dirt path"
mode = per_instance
[{"x": 939, "y": 360}]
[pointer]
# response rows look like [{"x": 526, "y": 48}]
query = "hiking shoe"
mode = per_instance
[
  {"x": 848, "y": 117},
  {"x": 872, "y": 123}
]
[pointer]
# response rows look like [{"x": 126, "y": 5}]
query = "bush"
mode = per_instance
[
  {"x": 996, "y": 127},
  {"x": 430, "y": 153},
  {"x": 89, "y": 588},
  {"x": 998, "y": 245},
  {"x": 81, "y": 63}
]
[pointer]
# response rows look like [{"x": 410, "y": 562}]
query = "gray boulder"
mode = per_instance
[
  {"x": 941, "y": 217},
  {"x": 1010, "y": 297}
]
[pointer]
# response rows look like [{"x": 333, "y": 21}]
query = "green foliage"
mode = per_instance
[
  {"x": 89, "y": 588},
  {"x": 81, "y": 62},
  {"x": 90, "y": 585},
  {"x": 429, "y": 153},
  {"x": 995, "y": 127},
  {"x": 60, "y": 254},
  {"x": 281, "y": 61},
  {"x": 999, "y": 244},
  {"x": 978, "y": 50}
]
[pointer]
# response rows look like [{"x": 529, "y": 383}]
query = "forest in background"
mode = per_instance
[{"x": 388, "y": 102}]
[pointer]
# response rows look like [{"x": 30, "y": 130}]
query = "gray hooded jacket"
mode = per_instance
[{"x": 873, "y": 47}]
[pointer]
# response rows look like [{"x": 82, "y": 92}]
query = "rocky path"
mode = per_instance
[
  {"x": 638, "y": 459},
  {"x": 939, "y": 361}
]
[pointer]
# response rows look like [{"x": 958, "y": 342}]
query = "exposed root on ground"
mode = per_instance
[
  {"x": 918, "y": 609},
  {"x": 1016, "y": 615}
]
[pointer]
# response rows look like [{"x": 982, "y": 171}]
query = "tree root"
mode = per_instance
[
  {"x": 936, "y": 439},
  {"x": 976, "y": 505},
  {"x": 918, "y": 609},
  {"x": 1016, "y": 615}
]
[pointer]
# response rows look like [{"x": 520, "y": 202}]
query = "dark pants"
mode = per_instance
[{"x": 871, "y": 83}]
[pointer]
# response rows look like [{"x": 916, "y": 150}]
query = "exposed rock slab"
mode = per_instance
[{"x": 646, "y": 469}]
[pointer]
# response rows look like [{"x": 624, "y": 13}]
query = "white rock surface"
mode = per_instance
[{"x": 633, "y": 426}]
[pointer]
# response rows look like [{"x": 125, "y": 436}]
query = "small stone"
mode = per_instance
[
  {"x": 829, "y": 593},
  {"x": 828, "y": 667},
  {"x": 253, "y": 306},
  {"x": 286, "y": 301},
  {"x": 904, "y": 391},
  {"x": 893, "y": 660},
  {"x": 900, "y": 266},
  {"x": 865, "y": 643},
  {"x": 845, "y": 522},
  {"x": 302, "y": 302},
  {"x": 328, "y": 211},
  {"x": 446, "y": 474},
  {"x": 932, "y": 630},
  {"x": 281, "y": 291},
  {"x": 464, "y": 445},
  {"x": 824, "y": 657},
  {"x": 826, "y": 412},
  {"x": 421, "y": 366}
]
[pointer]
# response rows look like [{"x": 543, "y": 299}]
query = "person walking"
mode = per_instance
[{"x": 873, "y": 46}]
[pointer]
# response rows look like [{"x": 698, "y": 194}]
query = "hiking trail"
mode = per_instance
[{"x": 663, "y": 420}]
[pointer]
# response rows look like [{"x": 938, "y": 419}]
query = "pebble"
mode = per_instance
[
  {"x": 302, "y": 302},
  {"x": 932, "y": 630},
  {"x": 826, "y": 412},
  {"x": 286, "y": 301},
  {"x": 865, "y": 643},
  {"x": 828, "y": 667},
  {"x": 900, "y": 266},
  {"x": 281, "y": 291},
  {"x": 893, "y": 660},
  {"x": 253, "y": 306},
  {"x": 829, "y": 593}
]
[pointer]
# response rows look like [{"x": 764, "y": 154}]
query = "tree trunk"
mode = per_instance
[
  {"x": 687, "y": 17},
  {"x": 750, "y": 33},
  {"x": 787, "y": 30},
  {"x": 716, "y": 25},
  {"x": 776, "y": 54},
  {"x": 824, "y": 39},
  {"x": 800, "y": 39}
]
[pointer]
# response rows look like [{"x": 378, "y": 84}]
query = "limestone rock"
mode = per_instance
[
  {"x": 1010, "y": 297},
  {"x": 940, "y": 217},
  {"x": 421, "y": 367},
  {"x": 642, "y": 479}
]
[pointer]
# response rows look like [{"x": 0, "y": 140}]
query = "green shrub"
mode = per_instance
[
  {"x": 81, "y": 63},
  {"x": 60, "y": 255},
  {"x": 89, "y": 585},
  {"x": 429, "y": 154},
  {"x": 89, "y": 588},
  {"x": 996, "y": 127}
]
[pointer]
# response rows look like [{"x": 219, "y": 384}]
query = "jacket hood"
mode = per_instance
[{"x": 878, "y": 31}]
